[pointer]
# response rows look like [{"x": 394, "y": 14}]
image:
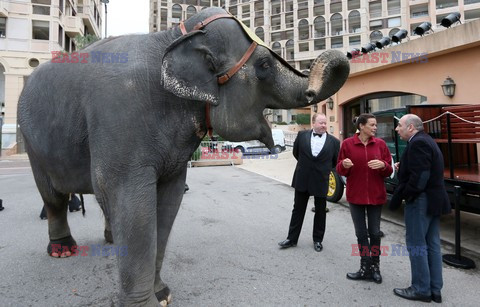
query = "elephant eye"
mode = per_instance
[{"x": 263, "y": 68}]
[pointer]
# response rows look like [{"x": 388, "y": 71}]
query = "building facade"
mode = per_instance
[
  {"x": 29, "y": 32},
  {"x": 300, "y": 30}
]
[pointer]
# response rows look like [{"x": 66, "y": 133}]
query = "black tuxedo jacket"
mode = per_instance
[
  {"x": 311, "y": 173},
  {"x": 421, "y": 170}
]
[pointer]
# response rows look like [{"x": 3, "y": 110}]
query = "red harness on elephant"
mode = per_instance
[{"x": 229, "y": 74}]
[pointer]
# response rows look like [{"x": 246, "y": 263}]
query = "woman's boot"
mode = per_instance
[
  {"x": 365, "y": 272},
  {"x": 375, "y": 253}
]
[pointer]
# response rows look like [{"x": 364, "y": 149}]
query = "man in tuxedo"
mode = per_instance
[
  {"x": 316, "y": 152},
  {"x": 421, "y": 185}
]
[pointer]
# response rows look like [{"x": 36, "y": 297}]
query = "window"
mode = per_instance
[
  {"x": 335, "y": 7},
  {"x": 40, "y": 29},
  {"x": 191, "y": 2},
  {"x": 275, "y": 22},
  {"x": 303, "y": 32},
  {"x": 304, "y": 65},
  {"x": 375, "y": 9},
  {"x": 233, "y": 10},
  {"x": 289, "y": 20},
  {"x": 337, "y": 42},
  {"x": 288, "y": 5},
  {"x": 337, "y": 25},
  {"x": 276, "y": 7},
  {"x": 354, "y": 40},
  {"x": 419, "y": 10},
  {"x": 353, "y": 4},
  {"x": 303, "y": 47},
  {"x": 393, "y": 32},
  {"x": 60, "y": 36},
  {"x": 3, "y": 27},
  {"x": 376, "y": 36},
  {"x": 204, "y": 2},
  {"x": 319, "y": 27},
  {"x": 289, "y": 46},
  {"x": 393, "y": 7},
  {"x": 276, "y": 36},
  {"x": 260, "y": 33},
  {"x": 259, "y": 21},
  {"x": 319, "y": 44},
  {"x": 354, "y": 22},
  {"x": 441, "y": 4},
  {"x": 472, "y": 14},
  {"x": 318, "y": 7},
  {"x": 60, "y": 6},
  {"x": 191, "y": 11},
  {"x": 41, "y": 7},
  {"x": 376, "y": 24},
  {"x": 277, "y": 48},
  {"x": 176, "y": 13},
  {"x": 393, "y": 22}
]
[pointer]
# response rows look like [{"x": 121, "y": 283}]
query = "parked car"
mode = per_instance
[{"x": 255, "y": 146}]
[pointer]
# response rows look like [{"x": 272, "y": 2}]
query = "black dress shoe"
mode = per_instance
[
  {"x": 410, "y": 294},
  {"x": 317, "y": 246},
  {"x": 437, "y": 298},
  {"x": 287, "y": 243}
]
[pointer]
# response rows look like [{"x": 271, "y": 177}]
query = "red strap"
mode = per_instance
[
  {"x": 182, "y": 28},
  {"x": 202, "y": 24},
  {"x": 234, "y": 69}
]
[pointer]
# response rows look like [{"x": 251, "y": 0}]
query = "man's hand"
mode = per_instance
[{"x": 396, "y": 165}]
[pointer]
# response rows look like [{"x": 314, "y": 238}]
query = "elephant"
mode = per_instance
[{"x": 125, "y": 130}]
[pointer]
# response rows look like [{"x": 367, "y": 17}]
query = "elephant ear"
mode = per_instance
[{"x": 187, "y": 71}]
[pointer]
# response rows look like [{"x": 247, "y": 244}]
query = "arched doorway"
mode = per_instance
[{"x": 376, "y": 102}]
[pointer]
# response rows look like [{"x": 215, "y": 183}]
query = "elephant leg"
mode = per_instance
[
  {"x": 131, "y": 204},
  {"x": 169, "y": 197},
  {"x": 107, "y": 233},
  {"x": 61, "y": 242}
]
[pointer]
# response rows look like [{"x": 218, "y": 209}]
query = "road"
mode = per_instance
[{"x": 222, "y": 251}]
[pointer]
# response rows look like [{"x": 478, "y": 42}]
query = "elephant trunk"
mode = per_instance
[{"x": 328, "y": 73}]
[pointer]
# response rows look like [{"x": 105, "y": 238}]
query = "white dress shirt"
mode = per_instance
[{"x": 317, "y": 143}]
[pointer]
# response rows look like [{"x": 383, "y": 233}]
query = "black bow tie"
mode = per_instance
[{"x": 317, "y": 134}]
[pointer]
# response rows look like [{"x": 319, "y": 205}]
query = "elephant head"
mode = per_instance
[{"x": 199, "y": 65}]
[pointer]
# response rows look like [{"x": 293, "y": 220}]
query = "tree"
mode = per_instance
[
  {"x": 83, "y": 41},
  {"x": 303, "y": 119}
]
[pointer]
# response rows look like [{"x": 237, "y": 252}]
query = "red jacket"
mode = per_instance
[{"x": 365, "y": 186}]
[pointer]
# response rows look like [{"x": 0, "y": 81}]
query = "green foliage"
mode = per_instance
[
  {"x": 281, "y": 123},
  {"x": 303, "y": 119},
  {"x": 83, "y": 41}
]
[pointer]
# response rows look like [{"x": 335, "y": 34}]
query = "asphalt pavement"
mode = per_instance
[{"x": 222, "y": 251}]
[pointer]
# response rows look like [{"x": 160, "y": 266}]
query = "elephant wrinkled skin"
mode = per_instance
[{"x": 125, "y": 131}]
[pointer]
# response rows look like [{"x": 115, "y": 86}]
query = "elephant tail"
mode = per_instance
[{"x": 83, "y": 204}]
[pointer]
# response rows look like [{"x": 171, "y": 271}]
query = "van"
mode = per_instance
[{"x": 257, "y": 146}]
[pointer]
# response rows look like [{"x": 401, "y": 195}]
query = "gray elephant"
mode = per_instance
[{"x": 124, "y": 130}]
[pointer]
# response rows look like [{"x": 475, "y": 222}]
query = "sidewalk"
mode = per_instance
[{"x": 282, "y": 170}]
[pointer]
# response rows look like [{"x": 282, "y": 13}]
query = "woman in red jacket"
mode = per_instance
[{"x": 365, "y": 160}]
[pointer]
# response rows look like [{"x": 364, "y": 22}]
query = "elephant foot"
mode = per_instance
[
  {"x": 62, "y": 248},
  {"x": 108, "y": 236},
  {"x": 164, "y": 296}
]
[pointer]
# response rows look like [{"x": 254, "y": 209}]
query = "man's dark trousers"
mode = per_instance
[{"x": 298, "y": 215}]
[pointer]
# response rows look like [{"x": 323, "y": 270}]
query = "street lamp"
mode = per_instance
[
  {"x": 448, "y": 87},
  {"x": 315, "y": 108},
  {"x": 330, "y": 103},
  {"x": 105, "y": 2}
]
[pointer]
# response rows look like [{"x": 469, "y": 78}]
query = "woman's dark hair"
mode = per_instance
[{"x": 362, "y": 119}]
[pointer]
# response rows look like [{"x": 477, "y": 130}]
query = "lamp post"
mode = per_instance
[
  {"x": 315, "y": 108},
  {"x": 448, "y": 87},
  {"x": 105, "y": 2}
]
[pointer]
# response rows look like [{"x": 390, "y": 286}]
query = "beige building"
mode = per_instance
[{"x": 29, "y": 32}]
